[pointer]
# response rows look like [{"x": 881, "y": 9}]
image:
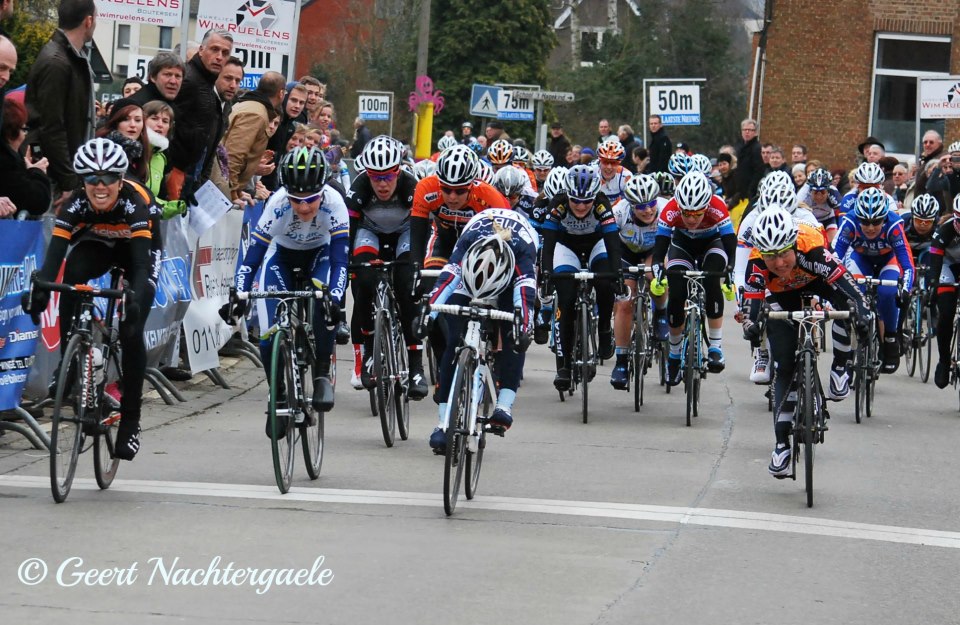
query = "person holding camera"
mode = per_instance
[
  {"x": 24, "y": 184},
  {"x": 944, "y": 180}
]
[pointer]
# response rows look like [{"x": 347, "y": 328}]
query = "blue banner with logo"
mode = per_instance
[{"x": 21, "y": 250}]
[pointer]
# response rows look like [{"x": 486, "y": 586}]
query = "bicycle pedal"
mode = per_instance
[
  {"x": 494, "y": 429},
  {"x": 110, "y": 419}
]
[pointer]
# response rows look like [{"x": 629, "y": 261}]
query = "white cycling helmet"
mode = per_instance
[
  {"x": 487, "y": 267},
  {"x": 100, "y": 156},
  {"x": 641, "y": 189},
  {"x": 611, "y": 150},
  {"x": 924, "y": 207},
  {"x": 583, "y": 182},
  {"x": 774, "y": 230},
  {"x": 872, "y": 204},
  {"x": 485, "y": 171},
  {"x": 500, "y": 153},
  {"x": 869, "y": 173},
  {"x": 382, "y": 153},
  {"x": 521, "y": 154},
  {"x": 457, "y": 166},
  {"x": 701, "y": 163},
  {"x": 693, "y": 193},
  {"x": 783, "y": 196},
  {"x": 424, "y": 168},
  {"x": 446, "y": 141},
  {"x": 542, "y": 160},
  {"x": 954, "y": 147},
  {"x": 510, "y": 181},
  {"x": 555, "y": 183},
  {"x": 776, "y": 178},
  {"x": 679, "y": 165}
]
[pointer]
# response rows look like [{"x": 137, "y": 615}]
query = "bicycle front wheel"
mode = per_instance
[
  {"x": 586, "y": 359},
  {"x": 457, "y": 430},
  {"x": 104, "y": 464},
  {"x": 475, "y": 458},
  {"x": 402, "y": 383},
  {"x": 384, "y": 372},
  {"x": 66, "y": 429},
  {"x": 281, "y": 408},
  {"x": 928, "y": 330},
  {"x": 311, "y": 430},
  {"x": 912, "y": 335},
  {"x": 807, "y": 429},
  {"x": 639, "y": 357},
  {"x": 691, "y": 371}
]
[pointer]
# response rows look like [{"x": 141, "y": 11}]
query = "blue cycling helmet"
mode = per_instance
[
  {"x": 679, "y": 164},
  {"x": 583, "y": 183},
  {"x": 872, "y": 204}
]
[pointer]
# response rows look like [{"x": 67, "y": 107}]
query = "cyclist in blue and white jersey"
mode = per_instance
[
  {"x": 513, "y": 184},
  {"x": 874, "y": 236},
  {"x": 823, "y": 200},
  {"x": 613, "y": 176},
  {"x": 636, "y": 216},
  {"x": 542, "y": 162},
  {"x": 494, "y": 260},
  {"x": 867, "y": 176},
  {"x": 304, "y": 225}
]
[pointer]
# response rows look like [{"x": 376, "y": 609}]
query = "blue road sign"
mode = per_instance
[{"x": 483, "y": 100}]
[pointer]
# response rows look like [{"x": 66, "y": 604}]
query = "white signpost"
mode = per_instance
[
  {"x": 376, "y": 106},
  {"x": 513, "y": 107},
  {"x": 677, "y": 105},
  {"x": 137, "y": 66}
]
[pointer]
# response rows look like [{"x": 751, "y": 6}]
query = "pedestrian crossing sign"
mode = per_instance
[{"x": 483, "y": 100}]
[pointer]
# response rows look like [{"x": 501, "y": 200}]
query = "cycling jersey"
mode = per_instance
[
  {"x": 279, "y": 225},
  {"x": 532, "y": 187},
  {"x": 526, "y": 206},
  {"x": 370, "y": 213},
  {"x": 636, "y": 237},
  {"x": 801, "y": 215},
  {"x": 716, "y": 221},
  {"x": 890, "y": 243},
  {"x": 614, "y": 187},
  {"x": 814, "y": 261},
  {"x": 825, "y": 211},
  {"x": 944, "y": 249},
  {"x": 919, "y": 243},
  {"x": 131, "y": 217}
]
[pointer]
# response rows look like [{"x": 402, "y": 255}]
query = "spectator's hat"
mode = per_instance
[
  {"x": 495, "y": 124},
  {"x": 724, "y": 157},
  {"x": 683, "y": 146},
  {"x": 870, "y": 141}
]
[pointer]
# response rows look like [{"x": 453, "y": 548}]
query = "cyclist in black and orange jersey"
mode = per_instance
[
  {"x": 790, "y": 260},
  {"x": 110, "y": 221},
  {"x": 452, "y": 196}
]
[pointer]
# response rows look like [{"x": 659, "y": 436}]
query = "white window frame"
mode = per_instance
[
  {"x": 899, "y": 72},
  {"x": 129, "y": 30},
  {"x": 600, "y": 31}
]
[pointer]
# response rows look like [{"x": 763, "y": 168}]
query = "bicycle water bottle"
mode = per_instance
[{"x": 97, "y": 358}]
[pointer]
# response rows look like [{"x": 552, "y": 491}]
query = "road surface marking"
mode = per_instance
[{"x": 705, "y": 517}]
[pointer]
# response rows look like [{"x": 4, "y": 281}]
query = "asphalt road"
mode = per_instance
[{"x": 632, "y": 518}]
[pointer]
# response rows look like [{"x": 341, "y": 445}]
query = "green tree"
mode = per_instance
[
  {"x": 680, "y": 39},
  {"x": 477, "y": 41},
  {"x": 29, "y": 34}
]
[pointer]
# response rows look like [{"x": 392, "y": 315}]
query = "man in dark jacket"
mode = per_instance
[
  {"x": 198, "y": 114},
  {"x": 165, "y": 76},
  {"x": 750, "y": 166},
  {"x": 59, "y": 96},
  {"x": 361, "y": 136},
  {"x": 629, "y": 143},
  {"x": 559, "y": 144},
  {"x": 661, "y": 147},
  {"x": 293, "y": 113}
]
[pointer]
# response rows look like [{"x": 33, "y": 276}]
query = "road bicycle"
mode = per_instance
[
  {"x": 919, "y": 330},
  {"x": 810, "y": 412},
  {"x": 584, "y": 358},
  {"x": 645, "y": 349},
  {"x": 473, "y": 396},
  {"x": 391, "y": 369},
  {"x": 866, "y": 361},
  {"x": 293, "y": 369},
  {"x": 693, "y": 361},
  {"x": 82, "y": 410}
]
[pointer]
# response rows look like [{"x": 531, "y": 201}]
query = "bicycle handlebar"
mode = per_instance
[
  {"x": 430, "y": 273},
  {"x": 697, "y": 273},
  {"x": 377, "y": 264},
  {"x": 878, "y": 282},
  {"x": 471, "y": 311},
  {"x": 245, "y": 295},
  {"x": 84, "y": 290},
  {"x": 800, "y": 315},
  {"x": 637, "y": 269},
  {"x": 584, "y": 275}
]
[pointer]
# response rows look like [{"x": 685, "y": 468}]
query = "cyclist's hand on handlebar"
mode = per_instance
[
  {"x": 903, "y": 297},
  {"x": 863, "y": 323},
  {"x": 619, "y": 288},
  {"x": 930, "y": 295},
  {"x": 658, "y": 286},
  {"x": 234, "y": 309},
  {"x": 35, "y": 302},
  {"x": 333, "y": 313},
  {"x": 421, "y": 325},
  {"x": 729, "y": 291}
]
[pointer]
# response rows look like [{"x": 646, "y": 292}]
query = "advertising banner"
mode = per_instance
[
  {"x": 264, "y": 25},
  {"x": 172, "y": 298},
  {"x": 940, "y": 99},
  {"x": 20, "y": 253},
  {"x": 153, "y": 12}
]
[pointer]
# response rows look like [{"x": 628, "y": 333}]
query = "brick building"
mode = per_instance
[{"x": 836, "y": 72}]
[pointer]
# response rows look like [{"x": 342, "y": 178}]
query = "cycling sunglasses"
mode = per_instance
[
  {"x": 386, "y": 176},
  {"x": 776, "y": 254},
  {"x": 872, "y": 222},
  {"x": 643, "y": 207},
  {"x": 304, "y": 200},
  {"x": 454, "y": 190},
  {"x": 580, "y": 202},
  {"x": 107, "y": 179}
]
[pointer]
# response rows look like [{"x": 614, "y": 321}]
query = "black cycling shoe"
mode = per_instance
[
  {"x": 674, "y": 375},
  {"x": 941, "y": 377},
  {"x": 541, "y": 333},
  {"x": 891, "y": 356},
  {"x": 343, "y": 333},
  {"x": 605, "y": 345},
  {"x": 128, "y": 440},
  {"x": 323, "y": 399},
  {"x": 561, "y": 381}
]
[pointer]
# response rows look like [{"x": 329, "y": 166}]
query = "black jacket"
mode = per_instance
[
  {"x": 750, "y": 168},
  {"x": 59, "y": 103},
  {"x": 148, "y": 94},
  {"x": 628, "y": 146},
  {"x": 199, "y": 118},
  {"x": 558, "y": 147},
  {"x": 660, "y": 150},
  {"x": 28, "y": 189}
]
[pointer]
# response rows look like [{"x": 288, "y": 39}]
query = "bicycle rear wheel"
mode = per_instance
[
  {"x": 384, "y": 373},
  {"x": 66, "y": 430},
  {"x": 928, "y": 331},
  {"x": 311, "y": 430},
  {"x": 874, "y": 371},
  {"x": 459, "y": 408},
  {"x": 911, "y": 336},
  {"x": 402, "y": 384},
  {"x": 475, "y": 458},
  {"x": 691, "y": 372},
  {"x": 639, "y": 356},
  {"x": 104, "y": 464},
  {"x": 807, "y": 429},
  {"x": 281, "y": 407},
  {"x": 586, "y": 359}
]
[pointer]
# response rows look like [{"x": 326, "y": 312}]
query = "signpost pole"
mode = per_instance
[{"x": 293, "y": 44}]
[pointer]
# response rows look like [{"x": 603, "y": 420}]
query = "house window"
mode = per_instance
[
  {"x": 166, "y": 38},
  {"x": 590, "y": 43},
  {"x": 123, "y": 36},
  {"x": 899, "y": 60}
]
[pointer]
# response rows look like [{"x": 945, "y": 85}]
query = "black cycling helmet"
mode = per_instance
[
  {"x": 820, "y": 179},
  {"x": 303, "y": 170}
]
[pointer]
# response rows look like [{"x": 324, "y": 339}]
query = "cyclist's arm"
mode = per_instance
[
  {"x": 942, "y": 239},
  {"x": 754, "y": 285},
  {"x": 898, "y": 240},
  {"x": 259, "y": 241},
  {"x": 611, "y": 233},
  {"x": 828, "y": 267},
  {"x": 844, "y": 237}
]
